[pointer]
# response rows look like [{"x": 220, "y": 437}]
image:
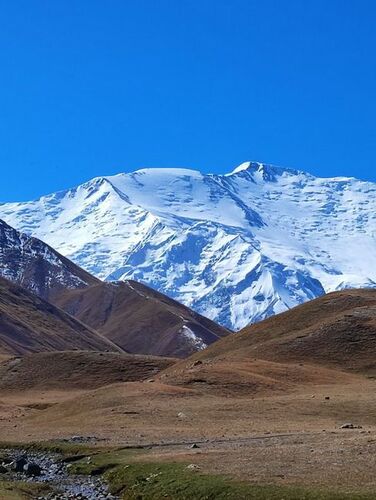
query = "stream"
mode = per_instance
[{"x": 54, "y": 472}]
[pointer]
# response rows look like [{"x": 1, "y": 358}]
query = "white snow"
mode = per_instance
[
  {"x": 192, "y": 338},
  {"x": 241, "y": 167},
  {"x": 236, "y": 247}
]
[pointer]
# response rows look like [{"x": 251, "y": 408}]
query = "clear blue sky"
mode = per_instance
[{"x": 93, "y": 87}]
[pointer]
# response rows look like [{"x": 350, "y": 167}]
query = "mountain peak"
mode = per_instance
[
  {"x": 265, "y": 171},
  {"x": 247, "y": 165}
]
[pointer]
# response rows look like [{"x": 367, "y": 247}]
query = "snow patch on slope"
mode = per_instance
[{"x": 193, "y": 339}]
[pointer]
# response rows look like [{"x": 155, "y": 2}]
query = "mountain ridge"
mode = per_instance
[
  {"x": 138, "y": 319},
  {"x": 236, "y": 248},
  {"x": 36, "y": 266}
]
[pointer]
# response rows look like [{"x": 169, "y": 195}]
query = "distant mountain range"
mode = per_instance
[{"x": 236, "y": 248}]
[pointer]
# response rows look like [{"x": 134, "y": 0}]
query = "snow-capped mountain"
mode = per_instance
[
  {"x": 236, "y": 248},
  {"x": 36, "y": 266}
]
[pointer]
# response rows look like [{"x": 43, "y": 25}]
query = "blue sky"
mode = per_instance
[{"x": 94, "y": 87}]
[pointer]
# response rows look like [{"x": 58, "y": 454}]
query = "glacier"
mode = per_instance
[{"x": 236, "y": 248}]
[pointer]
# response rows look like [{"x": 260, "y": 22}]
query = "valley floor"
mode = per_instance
[{"x": 282, "y": 438}]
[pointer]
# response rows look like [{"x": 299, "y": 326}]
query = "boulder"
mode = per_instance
[
  {"x": 193, "y": 467},
  {"x": 32, "y": 469},
  {"x": 19, "y": 464},
  {"x": 349, "y": 425},
  {"x": 196, "y": 363}
]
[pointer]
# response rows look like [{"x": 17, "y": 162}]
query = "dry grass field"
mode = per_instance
[
  {"x": 241, "y": 409},
  {"x": 290, "y": 436}
]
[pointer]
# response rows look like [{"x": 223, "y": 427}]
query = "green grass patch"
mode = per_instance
[
  {"x": 148, "y": 481},
  {"x": 16, "y": 490},
  {"x": 98, "y": 463},
  {"x": 153, "y": 481},
  {"x": 134, "y": 480}
]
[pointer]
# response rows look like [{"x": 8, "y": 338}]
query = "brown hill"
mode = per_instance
[
  {"x": 337, "y": 330},
  {"x": 30, "y": 324},
  {"x": 141, "y": 320},
  {"x": 76, "y": 370},
  {"x": 36, "y": 266},
  {"x": 135, "y": 317}
]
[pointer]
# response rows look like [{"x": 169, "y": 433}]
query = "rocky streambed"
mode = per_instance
[{"x": 51, "y": 469}]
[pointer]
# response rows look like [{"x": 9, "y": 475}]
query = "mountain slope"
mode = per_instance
[
  {"x": 141, "y": 320},
  {"x": 30, "y": 324},
  {"x": 331, "y": 332},
  {"x": 135, "y": 317},
  {"x": 338, "y": 330},
  {"x": 36, "y": 266},
  {"x": 236, "y": 248}
]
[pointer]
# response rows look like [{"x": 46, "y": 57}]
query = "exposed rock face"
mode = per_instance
[{"x": 36, "y": 266}]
